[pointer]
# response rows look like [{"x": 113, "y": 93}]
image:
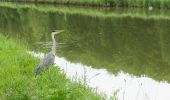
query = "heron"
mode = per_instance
[{"x": 50, "y": 57}]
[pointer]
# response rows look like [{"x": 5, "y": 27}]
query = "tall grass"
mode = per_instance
[
  {"x": 102, "y": 13},
  {"x": 120, "y": 3},
  {"x": 109, "y": 3},
  {"x": 18, "y": 81}
]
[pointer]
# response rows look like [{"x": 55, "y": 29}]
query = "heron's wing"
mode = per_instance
[
  {"x": 49, "y": 59},
  {"x": 45, "y": 62}
]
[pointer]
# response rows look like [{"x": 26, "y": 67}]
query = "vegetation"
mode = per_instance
[
  {"x": 95, "y": 12},
  {"x": 18, "y": 80},
  {"x": 108, "y": 3},
  {"x": 115, "y": 3}
]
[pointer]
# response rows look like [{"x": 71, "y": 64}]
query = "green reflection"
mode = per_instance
[{"x": 134, "y": 45}]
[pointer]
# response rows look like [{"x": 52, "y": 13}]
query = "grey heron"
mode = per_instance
[{"x": 50, "y": 57}]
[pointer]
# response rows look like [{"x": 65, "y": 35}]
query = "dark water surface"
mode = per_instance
[{"x": 135, "y": 45}]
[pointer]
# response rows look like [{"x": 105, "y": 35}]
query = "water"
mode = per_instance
[
  {"x": 119, "y": 52},
  {"x": 124, "y": 85}
]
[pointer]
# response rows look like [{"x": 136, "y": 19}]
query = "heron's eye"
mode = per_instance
[{"x": 53, "y": 31}]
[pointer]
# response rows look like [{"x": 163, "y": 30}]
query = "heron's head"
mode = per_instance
[{"x": 56, "y": 31}]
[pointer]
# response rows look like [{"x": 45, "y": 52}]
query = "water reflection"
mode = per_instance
[{"x": 128, "y": 87}]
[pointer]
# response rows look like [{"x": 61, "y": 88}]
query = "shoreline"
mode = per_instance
[
  {"x": 18, "y": 68},
  {"x": 98, "y": 5},
  {"x": 142, "y": 13}
]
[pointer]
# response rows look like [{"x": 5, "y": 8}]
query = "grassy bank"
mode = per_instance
[
  {"x": 102, "y": 13},
  {"x": 109, "y": 3},
  {"x": 18, "y": 81}
]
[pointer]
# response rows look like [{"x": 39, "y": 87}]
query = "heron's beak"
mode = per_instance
[{"x": 59, "y": 31}]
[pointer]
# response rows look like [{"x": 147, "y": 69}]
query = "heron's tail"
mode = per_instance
[{"x": 38, "y": 71}]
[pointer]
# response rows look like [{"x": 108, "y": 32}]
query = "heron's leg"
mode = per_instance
[{"x": 48, "y": 69}]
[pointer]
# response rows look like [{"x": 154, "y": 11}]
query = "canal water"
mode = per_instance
[{"x": 115, "y": 51}]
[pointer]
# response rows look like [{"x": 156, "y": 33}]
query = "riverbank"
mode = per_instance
[
  {"x": 95, "y": 12},
  {"x": 18, "y": 81},
  {"x": 107, "y": 3}
]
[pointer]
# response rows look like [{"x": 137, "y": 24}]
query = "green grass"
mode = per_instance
[
  {"x": 102, "y": 13},
  {"x": 122, "y": 3},
  {"x": 18, "y": 80}
]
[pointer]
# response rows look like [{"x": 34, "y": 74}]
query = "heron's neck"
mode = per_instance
[{"x": 53, "y": 49}]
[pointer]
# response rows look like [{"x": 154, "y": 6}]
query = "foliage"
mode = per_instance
[
  {"x": 93, "y": 12},
  {"x": 115, "y": 3}
]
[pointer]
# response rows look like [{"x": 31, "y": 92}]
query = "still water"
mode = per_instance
[{"x": 119, "y": 53}]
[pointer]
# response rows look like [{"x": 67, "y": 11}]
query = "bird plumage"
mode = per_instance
[
  {"x": 50, "y": 57},
  {"x": 45, "y": 62}
]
